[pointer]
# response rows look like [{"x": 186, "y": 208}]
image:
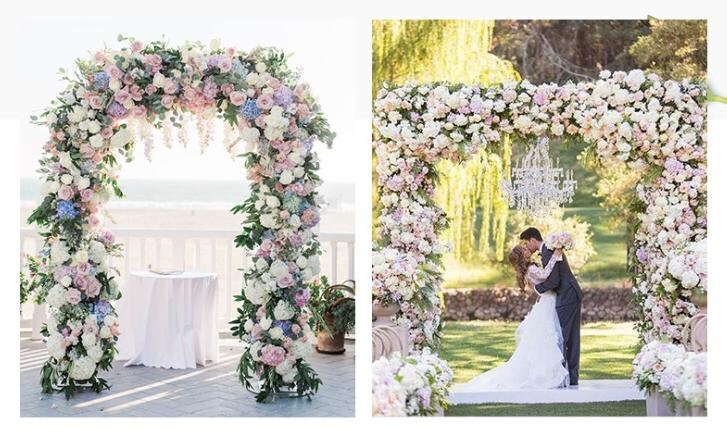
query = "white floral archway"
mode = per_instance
[
  {"x": 262, "y": 103},
  {"x": 648, "y": 123}
]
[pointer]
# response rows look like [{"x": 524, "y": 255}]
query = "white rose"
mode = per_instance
[
  {"x": 250, "y": 135},
  {"x": 283, "y": 310},
  {"x": 276, "y": 333},
  {"x": 272, "y": 201},
  {"x": 121, "y": 138},
  {"x": 94, "y": 127},
  {"x": 301, "y": 261},
  {"x": 97, "y": 251},
  {"x": 256, "y": 293},
  {"x": 260, "y": 264},
  {"x": 690, "y": 279},
  {"x": 255, "y": 350},
  {"x": 286, "y": 177},
  {"x": 265, "y": 323},
  {"x": 66, "y": 281},
  {"x": 59, "y": 252},
  {"x": 298, "y": 172},
  {"x": 260, "y": 67},
  {"x": 82, "y": 183},
  {"x": 56, "y": 296},
  {"x": 252, "y": 79},
  {"x": 248, "y": 325},
  {"x": 66, "y": 179},
  {"x": 81, "y": 256},
  {"x": 95, "y": 352},
  {"x": 268, "y": 220},
  {"x": 104, "y": 332},
  {"x": 51, "y": 187},
  {"x": 56, "y": 346},
  {"x": 96, "y": 141}
]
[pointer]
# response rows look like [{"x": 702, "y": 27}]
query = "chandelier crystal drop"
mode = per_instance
[{"x": 537, "y": 186}]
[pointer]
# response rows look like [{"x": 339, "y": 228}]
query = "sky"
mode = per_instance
[{"x": 324, "y": 50}]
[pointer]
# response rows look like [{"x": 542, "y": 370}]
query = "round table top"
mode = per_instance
[{"x": 182, "y": 275}]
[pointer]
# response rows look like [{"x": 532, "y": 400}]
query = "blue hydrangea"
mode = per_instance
[
  {"x": 250, "y": 110},
  {"x": 66, "y": 210},
  {"x": 101, "y": 81},
  {"x": 284, "y": 326},
  {"x": 291, "y": 203},
  {"x": 238, "y": 68},
  {"x": 116, "y": 110},
  {"x": 101, "y": 309}
]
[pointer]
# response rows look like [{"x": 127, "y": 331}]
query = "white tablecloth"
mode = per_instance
[{"x": 168, "y": 321}]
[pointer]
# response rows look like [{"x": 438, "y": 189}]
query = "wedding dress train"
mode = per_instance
[{"x": 537, "y": 362}]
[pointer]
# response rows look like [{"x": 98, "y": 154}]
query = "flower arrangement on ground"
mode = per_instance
[{"x": 416, "y": 385}]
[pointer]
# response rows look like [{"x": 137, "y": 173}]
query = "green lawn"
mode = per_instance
[
  {"x": 612, "y": 408},
  {"x": 472, "y": 347},
  {"x": 607, "y": 349},
  {"x": 607, "y": 267}
]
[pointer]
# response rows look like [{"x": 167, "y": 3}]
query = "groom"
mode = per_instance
[{"x": 568, "y": 302}]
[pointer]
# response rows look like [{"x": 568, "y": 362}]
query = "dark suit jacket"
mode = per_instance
[{"x": 561, "y": 280}]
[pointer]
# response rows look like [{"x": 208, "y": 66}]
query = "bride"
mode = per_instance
[{"x": 537, "y": 362}]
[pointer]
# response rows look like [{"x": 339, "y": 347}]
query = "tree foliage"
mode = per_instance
[
  {"x": 455, "y": 51},
  {"x": 675, "y": 49}
]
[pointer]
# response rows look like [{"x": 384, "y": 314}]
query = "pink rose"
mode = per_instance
[
  {"x": 122, "y": 96},
  {"x": 95, "y": 101},
  {"x": 94, "y": 221},
  {"x": 237, "y": 98},
  {"x": 136, "y": 46},
  {"x": 114, "y": 72},
  {"x": 285, "y": 281},
  {"x": 167, "y": 101},
  {"x": 272, "y": 355},
  {"x": 80, "y": 281},
  {"x": 86, "y": 195},
  {"x": 303, "y": 110},
  {"x": 73, "y": 296},
  {"x": 93, "y": 288},
  {"x": 226, "y": 89},
  {"x": 300, "y": 90},
  {"x": 150, "y": 89},
  {"x": 260, "y": 121},
  {"x": 107, "y": 132},
  {"x": 295, "y": 328},
  {"x": 138, "y": 111},
  {"x": 65, "y": 192},
  {"x": 284, "y": 214},
  {"x": 83, "y": 268},
  {"x": 224, "y": 64},
  {"x": 170, "y": 87},
  {"x": 274, "y": 83},
  {"x": 265, "y": 101}
]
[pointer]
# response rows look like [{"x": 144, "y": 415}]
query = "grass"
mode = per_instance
[
  {"x": 607, "y": 267},
  {"x": 610, "y": 408},
  {"x": 472, "y": 347},
  {"x": 607, "y": 349}
]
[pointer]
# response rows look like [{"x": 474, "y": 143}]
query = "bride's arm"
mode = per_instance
[{"x": 537, "y": 275}]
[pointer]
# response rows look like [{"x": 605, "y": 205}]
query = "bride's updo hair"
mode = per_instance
[{"x": 518, "y": 261}]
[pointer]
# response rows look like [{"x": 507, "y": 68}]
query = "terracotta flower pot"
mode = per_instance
[{"x": 327, "y": 344}]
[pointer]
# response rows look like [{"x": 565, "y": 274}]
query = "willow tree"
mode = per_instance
[{"x": 456, "y": 51}]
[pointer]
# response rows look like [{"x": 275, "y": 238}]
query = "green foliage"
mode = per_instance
[
  {"x": 675, "y": 49},
  {"x": 605, "y": 408}
]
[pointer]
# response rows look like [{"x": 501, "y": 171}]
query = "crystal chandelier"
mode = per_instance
[{"x": 536, "y": 186}]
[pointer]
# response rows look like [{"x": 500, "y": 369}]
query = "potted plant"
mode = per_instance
[{"x": 334, "y": 314}]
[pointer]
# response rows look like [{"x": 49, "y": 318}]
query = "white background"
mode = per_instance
[{"x": 204, "y": 17}]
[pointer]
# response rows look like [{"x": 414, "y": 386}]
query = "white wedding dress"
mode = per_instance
[{"x": 537, "y": 362}]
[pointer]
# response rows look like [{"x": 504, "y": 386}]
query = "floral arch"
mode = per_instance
[
  {"x": 648, "y": 123},
  {"x": 264, "y": 103}
]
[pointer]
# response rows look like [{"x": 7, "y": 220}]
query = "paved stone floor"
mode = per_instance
[{"x": 209, "y": 391}]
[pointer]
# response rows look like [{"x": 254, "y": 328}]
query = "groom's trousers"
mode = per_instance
[{"x": 570, "y": 324}]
